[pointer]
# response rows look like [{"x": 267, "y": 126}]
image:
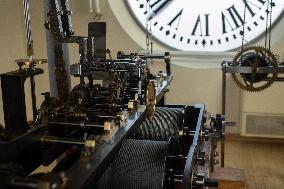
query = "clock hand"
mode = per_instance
[{"x": 157, "y": 7}]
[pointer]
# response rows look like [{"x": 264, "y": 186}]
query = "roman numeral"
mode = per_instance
[
  {"x": 198, "y": 25},
  {"x": 157, "y": 6},
  {"x": 234, "y": 21},
  {"x": 176, "y": 19},
  {"x": 256, "y": 4}
]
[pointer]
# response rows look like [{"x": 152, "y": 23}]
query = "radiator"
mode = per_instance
[{"x": 262, "y": 125}]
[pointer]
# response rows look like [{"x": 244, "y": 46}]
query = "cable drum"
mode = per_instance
[
  {"x": 140, "y": 164},
  {"x": 165, "y": 123}
]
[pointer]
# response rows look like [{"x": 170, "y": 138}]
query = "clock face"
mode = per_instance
[{"x": 205, "y": 25}]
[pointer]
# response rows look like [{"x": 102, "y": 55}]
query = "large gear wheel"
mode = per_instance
[{"x": 254, "y": 57}]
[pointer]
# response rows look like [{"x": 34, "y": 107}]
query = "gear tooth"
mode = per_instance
[{"x": 276, "y": 55}]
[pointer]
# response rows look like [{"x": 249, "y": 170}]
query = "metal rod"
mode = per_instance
[
  {"x": 123, "y": 56},
  {"x": 224, "y": 89},
  {"x": 224, "y": 82},
  {"x": 32, "y": 81},
  {"x": 178, "y": 180},
  {"x": 75, "y": 124},
  {"x": 177, "y": 156},
  {"x": 24, "y": 183},
  {"x": 93, "y": 114},
  {"x": 277, "y": 79},
  {"x": 65, "y": 49},
  {"x": 62, "y": 141},
  {"x": 249, "y": 69},
  {"x": 168, "y": 63},
  {"x": 52, "y": 139}
]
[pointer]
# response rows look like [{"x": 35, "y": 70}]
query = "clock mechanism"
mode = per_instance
[
  {"x": 256, "y": 67},
  {"x": 254, "y": 58}
]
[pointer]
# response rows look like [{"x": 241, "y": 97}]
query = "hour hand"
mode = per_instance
[{"x": 156, "y": 7}]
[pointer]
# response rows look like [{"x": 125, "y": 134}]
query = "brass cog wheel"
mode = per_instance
[
  {"x": 116, "y": 91},
  {"x": 254, "y": 56}
]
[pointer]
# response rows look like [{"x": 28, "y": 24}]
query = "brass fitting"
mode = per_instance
[{"x": 90, "y": 143}]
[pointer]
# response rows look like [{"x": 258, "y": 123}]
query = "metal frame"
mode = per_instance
[
  {"x": 52, "y": 49},
  {"x": 227, "y": 67},
  {"x": 13, "y": 96},
  {"x": 24, "y": 146},
  {"x": 93, "y": 169},
  {"x": 191, "y": 157},
  {"x": 76, "y": 169}
]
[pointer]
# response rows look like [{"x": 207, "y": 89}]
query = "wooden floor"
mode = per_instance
[{"x": 263, "y": 163}]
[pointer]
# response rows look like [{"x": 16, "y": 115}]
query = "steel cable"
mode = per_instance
[
  {"x": 165, "y": 124},
  {"x": 140, "y": 164}
]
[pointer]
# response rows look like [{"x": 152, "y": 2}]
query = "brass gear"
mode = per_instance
[
  {"x": 116, "y": 90},
  {"x": 259, "y": 53},
  {"x": 151, "y": 99}
]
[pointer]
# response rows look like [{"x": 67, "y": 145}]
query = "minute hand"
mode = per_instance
[{"x": 157, "y": 7}]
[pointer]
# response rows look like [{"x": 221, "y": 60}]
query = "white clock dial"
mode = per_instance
[{"x": 205, "y": 25}]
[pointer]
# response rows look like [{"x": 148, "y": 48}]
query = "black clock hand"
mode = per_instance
[{"x": 157, "y": 7}]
